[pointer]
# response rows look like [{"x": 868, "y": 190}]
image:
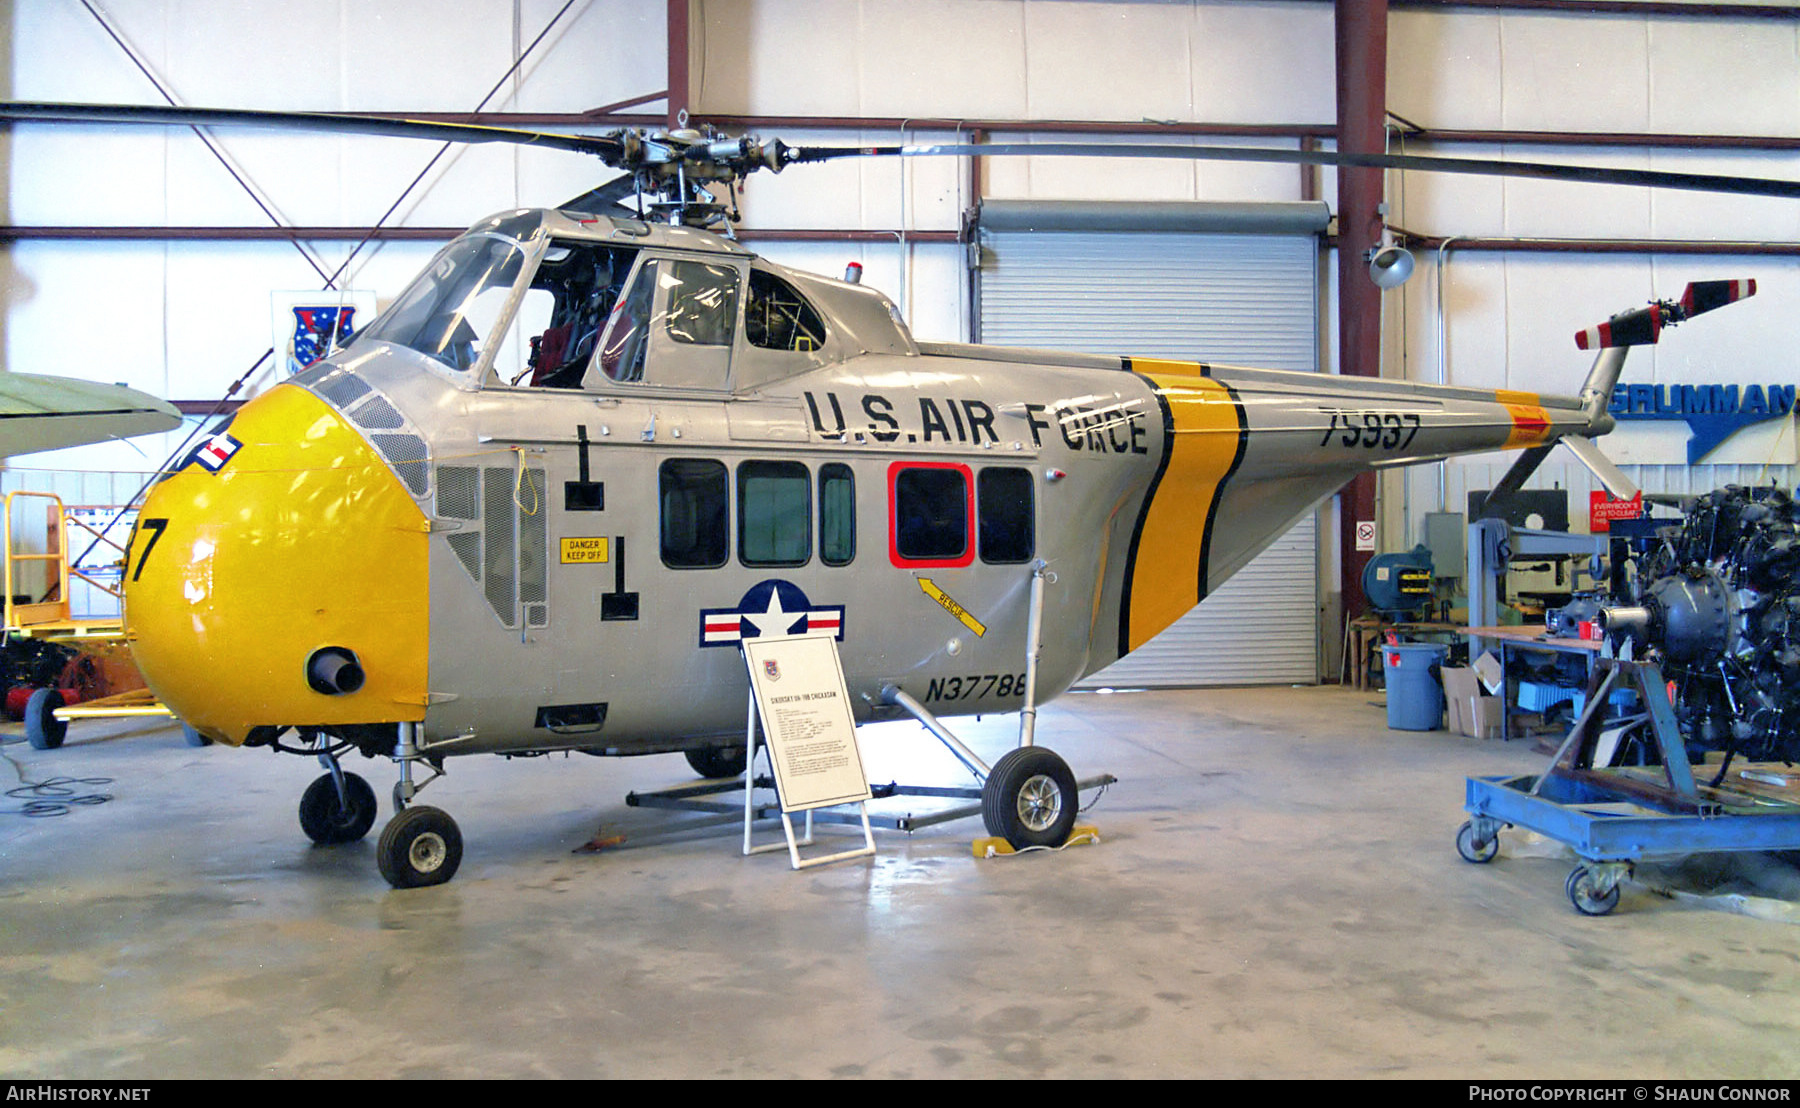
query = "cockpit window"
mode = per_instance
[
  {"x": 776, "y": 317},
  {"x": 449, "y": 311},
  {"x": 622, "y": 349}
]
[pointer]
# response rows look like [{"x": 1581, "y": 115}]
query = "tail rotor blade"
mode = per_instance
[
  {"x": 1638, "y": 327},
  {"x": 1704, "y": 296},
  {"x": 1643, "y": 326}
]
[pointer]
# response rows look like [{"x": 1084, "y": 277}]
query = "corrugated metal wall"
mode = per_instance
[{"x": 1248, "y": 299}]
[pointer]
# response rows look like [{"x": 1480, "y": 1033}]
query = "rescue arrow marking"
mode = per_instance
[{"x": 952, "y": 606}]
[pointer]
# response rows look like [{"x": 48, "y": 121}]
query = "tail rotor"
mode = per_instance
[{"x": 1613, "y": 339}]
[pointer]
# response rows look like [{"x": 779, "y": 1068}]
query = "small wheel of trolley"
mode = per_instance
[
  {"x": 1473, "y": 849},
  {"x": 1589, "y": 893}
]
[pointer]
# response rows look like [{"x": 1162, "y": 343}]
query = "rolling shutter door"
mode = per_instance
[{"x": 1247, "y": 296}]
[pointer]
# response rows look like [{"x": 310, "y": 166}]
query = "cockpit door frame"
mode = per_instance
[{"x": 661, "y": 347}]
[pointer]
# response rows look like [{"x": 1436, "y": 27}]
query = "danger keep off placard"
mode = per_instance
[{"x": 578, "y": 550}]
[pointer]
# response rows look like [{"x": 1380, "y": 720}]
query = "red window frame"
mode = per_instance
[{"x": 967, "y": 557}]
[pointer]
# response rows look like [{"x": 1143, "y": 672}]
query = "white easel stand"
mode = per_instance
[{"x": 793, "y": 845}]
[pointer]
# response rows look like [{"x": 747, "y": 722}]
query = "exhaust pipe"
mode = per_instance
[{"x": 334, "y": 671}]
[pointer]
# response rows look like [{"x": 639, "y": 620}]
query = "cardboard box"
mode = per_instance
[
  {"x": 1471, "y": 711},
  {"x": 1489, "y": 669},
  {"x": 1485, "y": 717}
]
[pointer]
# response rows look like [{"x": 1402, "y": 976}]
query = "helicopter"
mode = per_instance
[{"x": 542, "y": 500}]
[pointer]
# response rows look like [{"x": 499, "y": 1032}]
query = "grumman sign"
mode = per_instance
[{"x": 1713, "y": 413}]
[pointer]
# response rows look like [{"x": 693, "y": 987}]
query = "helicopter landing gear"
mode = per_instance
[
  {"x": 1030, "y": 798},
  {"x": 337, "y": 808},
  {"x": 421, "y": 845}
]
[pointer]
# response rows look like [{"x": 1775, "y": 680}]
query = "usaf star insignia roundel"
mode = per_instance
[{"x": 770, "y": 608}]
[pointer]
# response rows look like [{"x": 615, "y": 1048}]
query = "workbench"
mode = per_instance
[{"x": 1506, "y": 640}]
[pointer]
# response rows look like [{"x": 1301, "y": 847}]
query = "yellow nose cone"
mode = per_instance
[{"x": 290, "y": 536}]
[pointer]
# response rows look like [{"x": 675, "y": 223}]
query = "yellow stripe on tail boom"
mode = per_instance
[{"x": 1204, "y": 427}]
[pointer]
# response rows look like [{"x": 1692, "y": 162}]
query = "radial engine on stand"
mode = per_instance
[{"x": 1718, "y": 597}]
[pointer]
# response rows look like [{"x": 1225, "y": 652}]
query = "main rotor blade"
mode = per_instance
[
  {"x": 600, "y": 200},
  {"x": 1492, "y": 167},
  {"x": 616, "y": 148},
  {"x": 603, "y": 146}
]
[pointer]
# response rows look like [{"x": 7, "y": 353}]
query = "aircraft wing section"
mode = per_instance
[{"x": 48, "y": 413}]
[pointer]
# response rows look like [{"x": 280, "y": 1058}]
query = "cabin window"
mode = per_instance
[
  {"x": 776, "y": 317},
  {"x": 931, "y": 505},
  {"x": 837, "y": 514},
  {"x": 693, "y": 494},
  {"x": 702, "y": 302},
  {"x": 1004, "y": 510},
  {"x": 774, "y": 514}
]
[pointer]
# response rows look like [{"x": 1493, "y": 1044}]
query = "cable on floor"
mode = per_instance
[{"x": 55, "y": 797}]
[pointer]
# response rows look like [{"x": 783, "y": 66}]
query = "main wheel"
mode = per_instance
[
  {"x": 1471, "y": 850},
  {"x": 716, "y": 761},
  {"x": 41, "y": 725},
  {"x": 327, "y": 820},
  {"x": 1584, "y": 892},
  {"x": 1030, "y": 798},
  {"x": 420, "y": 846},
  {"x": 193, "y": 737}
]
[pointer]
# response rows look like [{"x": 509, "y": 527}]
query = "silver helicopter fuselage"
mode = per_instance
[{"x": 717, "y": 448}]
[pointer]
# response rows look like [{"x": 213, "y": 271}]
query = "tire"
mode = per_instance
[
  {"x": 328, "y": 822},
  {"x": 41, "y": 725},
  {"x": 421, "y": 846},
  {"x": 1470, "y": 850},
  {"x": 716, "y": 761},
  {"x": 1030, "y": 798},
  {"x": 193, "y": 737},
  {"x": 1585, "y": 895}
]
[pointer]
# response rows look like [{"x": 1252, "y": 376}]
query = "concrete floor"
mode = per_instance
[{"x": 1276, "y": 894}]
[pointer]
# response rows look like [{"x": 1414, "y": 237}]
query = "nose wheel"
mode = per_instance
[
  {"x": 330, "y": 814},
  {"x": 421, "y": 845}
]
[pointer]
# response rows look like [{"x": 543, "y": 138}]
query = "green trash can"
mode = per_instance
[{"x": 1415, "y": 698}]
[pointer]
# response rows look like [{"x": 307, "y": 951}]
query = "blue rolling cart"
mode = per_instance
[{"x": 1613, "y": 818}]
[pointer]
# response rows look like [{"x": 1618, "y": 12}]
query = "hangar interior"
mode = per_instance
[{"x": 1275, "y": 890}]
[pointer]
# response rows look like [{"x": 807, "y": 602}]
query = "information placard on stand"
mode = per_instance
[{"x": 798, "y": 690}]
